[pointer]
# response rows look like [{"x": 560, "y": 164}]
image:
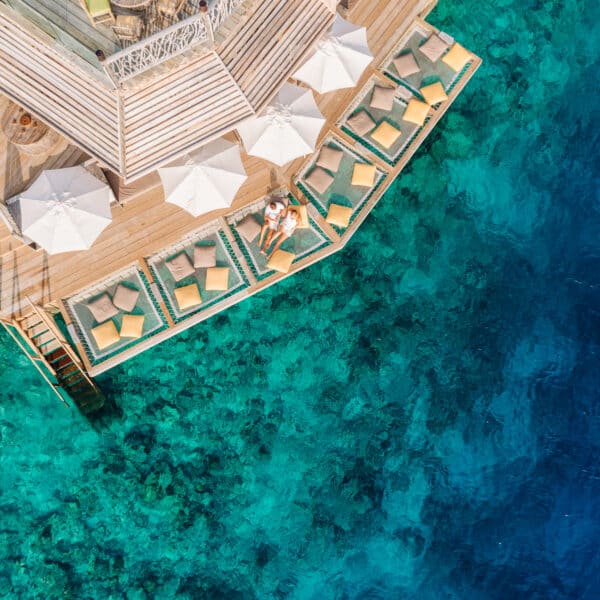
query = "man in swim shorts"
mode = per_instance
[{"x": 273, "y": 212}]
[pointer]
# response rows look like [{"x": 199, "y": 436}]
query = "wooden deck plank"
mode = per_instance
[{"x": 70, "y": 17}]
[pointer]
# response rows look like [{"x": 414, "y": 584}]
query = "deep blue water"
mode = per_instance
[{"x": 417, "y": 417}]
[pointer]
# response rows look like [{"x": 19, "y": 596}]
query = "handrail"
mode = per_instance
[
  {"x": 220, "y": 10},
  {"x": 173, "y": 40},
  {"x": 60, "y": 337},
  {"x": 157, "y": 48},
  {"x": 35, "y": 363}
]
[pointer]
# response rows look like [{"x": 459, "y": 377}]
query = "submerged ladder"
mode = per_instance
[{"x": 40, "y": 339}]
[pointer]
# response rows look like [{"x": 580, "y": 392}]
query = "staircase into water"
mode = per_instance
[{"x": 39, "y": 337}]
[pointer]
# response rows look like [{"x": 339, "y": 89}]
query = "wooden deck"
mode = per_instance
[
  {"x": 146, "y": 224},
  {"x": 70, "y": 17}
]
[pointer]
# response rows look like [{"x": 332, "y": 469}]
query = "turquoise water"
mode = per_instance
[{"x": 416, "y": 417}]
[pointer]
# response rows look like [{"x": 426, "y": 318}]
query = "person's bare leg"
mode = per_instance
[
  {"x": 280, "y": 241},
  {"x": 263, "y": 231},
  {"x": 268, "y": 240},
  {"x": 274, "y": 235}
]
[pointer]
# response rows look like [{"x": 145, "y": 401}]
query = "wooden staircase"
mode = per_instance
[{"x": 41, "y": 340}]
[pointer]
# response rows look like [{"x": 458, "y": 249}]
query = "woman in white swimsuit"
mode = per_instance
[
  {"x": 286, "y": 228},
  {"x": 273, "y": 213}
]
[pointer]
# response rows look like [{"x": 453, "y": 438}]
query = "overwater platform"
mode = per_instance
[{"x": 41, "y": 293}]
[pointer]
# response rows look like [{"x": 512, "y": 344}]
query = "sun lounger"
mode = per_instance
[{"x": 98, "y": 11}]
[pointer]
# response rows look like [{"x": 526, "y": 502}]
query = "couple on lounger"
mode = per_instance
[{"x": 280, "y": 223}]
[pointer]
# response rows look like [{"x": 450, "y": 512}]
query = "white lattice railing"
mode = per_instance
[
  {"x": 220, "y": 10},
  {"x": 157, "y": 48},
  {"x": 169, "y": 42}
]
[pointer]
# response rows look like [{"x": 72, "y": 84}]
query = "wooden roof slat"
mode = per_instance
[
  {"x": 187, "y": 144},
  {"x": 261, "y": 82},
  {"x": 186, "y": 138},
  {"x": 104, "y": 114},
  {"x": 68, "y": 73},
  {"x": 45, "y": 46},
  {"x": 170, "y": 78},
  {"x": 168, "y": 118},
  {"x": 273, "y": 47},
  {"x": 173, "y": 116},
  {"x": 54, "y": 116},
  {"x": 264, "y": 34},
  {"x": 180, "y": 104},
  {"x": 142, "y": 108},
  {"x": 261, "y": 92},
  {"x": 59, "y": 116},
  {"x": 242, "y": 35}
]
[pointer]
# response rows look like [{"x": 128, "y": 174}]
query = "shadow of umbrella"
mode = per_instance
[
  {"x": 13, "y": 172},
  {"x": 275, "y": 180},
  {"x": 46, "y": 293}
]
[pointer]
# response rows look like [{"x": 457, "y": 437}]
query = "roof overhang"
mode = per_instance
[{"x": 136, "y": 119}]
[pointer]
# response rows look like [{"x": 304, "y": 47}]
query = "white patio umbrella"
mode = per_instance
[
  {"x": 208, "y": 180},
  {"x": 339, "y": 60},
  {"x": 65, "y": 209},
  {"x": 286, "y": 129}
]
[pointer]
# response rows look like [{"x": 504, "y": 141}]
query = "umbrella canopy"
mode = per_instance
[
  {"x": 208, "y": 180},
  {"x": 339, "y": 60},
  {"x": 65, "y": 209},
  {"x": 286, "y": 129}
]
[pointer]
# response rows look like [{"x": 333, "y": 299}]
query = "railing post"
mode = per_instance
[{"x": 207, "y": 21}]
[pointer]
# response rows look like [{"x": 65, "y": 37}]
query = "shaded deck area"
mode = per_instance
[
  {"x": 146, "y": 231},
  {"x": 69, "y": 22},
  {"x": 18, "y": 168}
]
